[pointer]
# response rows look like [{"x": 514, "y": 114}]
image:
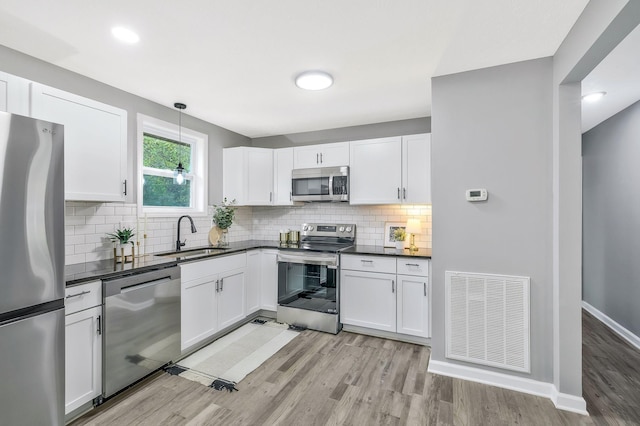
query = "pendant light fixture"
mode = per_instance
[{"x": 178, "y": 173}]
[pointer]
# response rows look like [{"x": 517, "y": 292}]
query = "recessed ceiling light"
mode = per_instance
[
  {"x": 592, "y": 97},
  {"x": 125, "y": 35},
  {"x": 314, "y": 80}
]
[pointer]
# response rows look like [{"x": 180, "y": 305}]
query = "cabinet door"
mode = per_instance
[
  {"x": 83, "y": 357},
  {"x": 95, "y": 143},
  {"x": 413, "y": 305},
  {"x": 14, "y": 94},
  {"x": 416, "y": 169},
  {"x": 376, "y": 171},
  {"x": 198, "y": 314},
  {"x": 334, "y": 154},
  {"x": 253, "y": 281},
  {"x": 282, "y": 166},
  {"x": 305, "y": 157},
  {"x": 269, "y": 289},
  {"x": 368, "y": 299},
  {"x": 233, "y": 175},
  {"x": 231, "y": 298},
  {"x": 259, "y": 172}
]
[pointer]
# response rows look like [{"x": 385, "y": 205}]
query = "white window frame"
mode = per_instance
[{"x": 199, "y": 171}]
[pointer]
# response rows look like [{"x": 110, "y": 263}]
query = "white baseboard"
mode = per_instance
[
  {"x": 613, "y": 325},
  {"x": 520, "y": 384}
]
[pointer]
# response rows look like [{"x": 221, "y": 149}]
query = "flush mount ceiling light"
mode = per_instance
[
  {"x": 593, "y": 97},
  {"x": 178, "y": 173},
  {"x": 314, "y": 80},
  {"x": 125, "y": 35}
]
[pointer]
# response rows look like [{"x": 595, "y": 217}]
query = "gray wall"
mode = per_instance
[
  {"x": 611, "y": 218},
  {"x": 369, "y": 131},
  {"x": 28, "y": 67},
  {"x": 492, "y": 128}
]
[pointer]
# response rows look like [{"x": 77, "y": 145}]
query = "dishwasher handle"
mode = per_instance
[
  {"x": 146, "y": 284},
  {"x": 132, "y": 282}
]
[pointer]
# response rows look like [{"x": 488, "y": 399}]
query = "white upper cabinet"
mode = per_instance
[
  {"x": 416, "y": 169},
  {"x": 95, "y": 143},
  {"x": 324, "y": 155},
  {"x": 14, "y": 94},
  {"x": 247, "y": 175},
  {"x": 376, "y": 171},
  {"x": 282, "y": 166},
  {"x": 391, "y": 170}
]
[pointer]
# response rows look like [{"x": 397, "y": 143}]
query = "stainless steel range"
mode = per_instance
[{"x": 308, "y": 277}]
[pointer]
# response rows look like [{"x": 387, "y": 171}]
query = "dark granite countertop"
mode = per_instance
[
  {"x": 387, "y": 251},
  {"x": 103, "y": 269}
]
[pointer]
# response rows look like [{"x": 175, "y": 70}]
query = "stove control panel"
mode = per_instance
[{"x": 340, "y": 230}]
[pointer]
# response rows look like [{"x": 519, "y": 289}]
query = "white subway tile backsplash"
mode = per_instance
[{"x": 87, "y": 224}]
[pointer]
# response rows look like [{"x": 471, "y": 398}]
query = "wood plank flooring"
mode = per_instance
[
  {"x": 349, "y": 379},
  {"x": 610, "y": 375}
]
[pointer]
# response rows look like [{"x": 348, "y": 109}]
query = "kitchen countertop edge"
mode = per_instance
[{"x": 81, "y": 273}]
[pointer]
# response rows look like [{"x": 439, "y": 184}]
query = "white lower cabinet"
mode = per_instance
[
  {"x": 269, "y": 285},
  {"x": 213, "y": 297},
  {"x": 367, "y": 299},
  {"x": 373, "y": 295},
  {"x": 231, "y": 298},
  {"x": 253, "y": 281},
  {"x": 83, "y": 345},
  {"x": 198, "y": 310},
  {"x": 413, "y": 306},
  {"x": 262, "y": 280}
]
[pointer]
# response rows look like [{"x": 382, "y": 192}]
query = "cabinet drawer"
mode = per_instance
[
  {"x": 80, "y": 297},
  {"x": 203, "y": 268},
  {"x": 384, "y": 264},
  {"x": 412, "y": 266}
]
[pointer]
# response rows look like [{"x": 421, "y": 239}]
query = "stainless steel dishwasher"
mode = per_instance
[{"x": 141, "y": 326}]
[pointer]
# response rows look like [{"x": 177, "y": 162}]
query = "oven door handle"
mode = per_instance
[{"x": 330, "y": 261}]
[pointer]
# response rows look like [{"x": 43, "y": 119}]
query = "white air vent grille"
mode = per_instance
[{"x": 487, "y": 319}]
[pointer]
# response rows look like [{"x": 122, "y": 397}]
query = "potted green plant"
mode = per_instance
[
  {"x": 399, "y": 235},
  {"x": 223, "y": 218},
  {"x": 122, "y": 237}
]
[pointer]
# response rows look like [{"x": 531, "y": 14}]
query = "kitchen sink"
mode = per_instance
[{"x": 192, "y": 252}]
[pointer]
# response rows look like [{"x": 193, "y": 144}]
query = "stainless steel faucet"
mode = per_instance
[{"x": 193, "y": 231}]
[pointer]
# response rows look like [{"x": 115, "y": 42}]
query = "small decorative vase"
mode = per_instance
[
  {"x": 224, "y": 235},
  {"x": 124, "y": 253},
  {"x": 399, "y": 245}
]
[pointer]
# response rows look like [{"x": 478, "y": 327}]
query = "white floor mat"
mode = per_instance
[{"x": 237, "y": 354}]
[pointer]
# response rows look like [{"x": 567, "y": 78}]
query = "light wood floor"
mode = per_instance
[{"x": 320, "y": 379}]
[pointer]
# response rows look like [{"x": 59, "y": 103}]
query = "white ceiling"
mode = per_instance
[
  {"x": 233, "y": 62},
  {"x": 619, "y": 76}
]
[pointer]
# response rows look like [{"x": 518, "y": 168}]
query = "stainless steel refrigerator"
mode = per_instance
[{"x": 31, "y": 271}]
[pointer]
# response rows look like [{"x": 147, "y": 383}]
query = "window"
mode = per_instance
[{"x": 160, "y": 149}]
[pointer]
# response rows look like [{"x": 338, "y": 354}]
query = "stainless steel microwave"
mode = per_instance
[{"x": 320, "y": 184}]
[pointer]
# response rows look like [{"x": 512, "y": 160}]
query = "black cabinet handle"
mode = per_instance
[
  {"x": 99, "y": 325},
  {"x": 125, "y": 186}
]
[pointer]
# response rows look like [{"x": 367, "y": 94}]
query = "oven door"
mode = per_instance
[{"x": 308, "y": 281}]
